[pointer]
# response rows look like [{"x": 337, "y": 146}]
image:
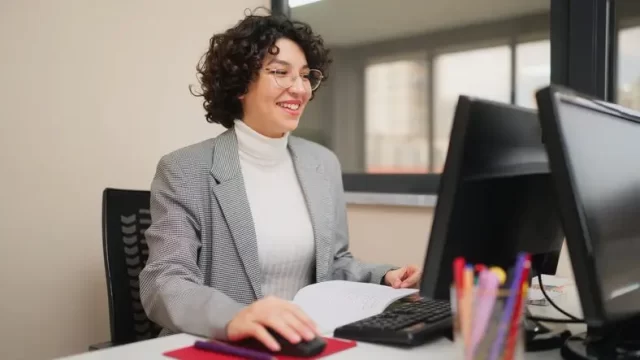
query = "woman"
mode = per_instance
[{"x": 242, "y": 221}]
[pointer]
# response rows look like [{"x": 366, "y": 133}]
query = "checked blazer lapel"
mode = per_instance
[
  {"x": 317, "y": 192},
  {"x": 230, "y": 191}
]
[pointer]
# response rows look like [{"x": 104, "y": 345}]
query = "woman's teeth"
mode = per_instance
[{"x": 289, "y": 106}]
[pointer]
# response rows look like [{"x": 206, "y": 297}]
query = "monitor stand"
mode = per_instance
[
  {"x": 618, "y": 341},
  {"x": 539, "y": 337}
]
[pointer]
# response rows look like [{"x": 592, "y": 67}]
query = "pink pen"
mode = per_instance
[{"x": 488, "y": 284}]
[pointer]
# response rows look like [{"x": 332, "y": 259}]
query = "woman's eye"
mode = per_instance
[{"x": 280, "y": 72}]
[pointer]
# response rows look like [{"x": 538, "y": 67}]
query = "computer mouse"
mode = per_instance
[{"x": 302, "y": 349}]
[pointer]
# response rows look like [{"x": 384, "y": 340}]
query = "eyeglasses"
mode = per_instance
[{"x": 285, "y": 80}]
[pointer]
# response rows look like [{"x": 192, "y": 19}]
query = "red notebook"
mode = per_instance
[{"x": 191, "y": 353}]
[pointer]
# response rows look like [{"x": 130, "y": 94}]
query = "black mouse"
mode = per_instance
[{"x": 302, "y": 349}]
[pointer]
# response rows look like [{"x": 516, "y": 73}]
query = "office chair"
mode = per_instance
[{"x": 125, "y": 218}]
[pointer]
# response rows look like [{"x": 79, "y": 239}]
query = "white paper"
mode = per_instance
[
  {"x": 553, "y": 285},
  {"x": 335, "y": 303}
]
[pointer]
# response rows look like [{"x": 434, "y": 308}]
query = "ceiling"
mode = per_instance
[{"x": 349, "y": 22}]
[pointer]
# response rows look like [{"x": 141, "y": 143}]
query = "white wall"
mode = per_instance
[{"x": 92, "y": 93}]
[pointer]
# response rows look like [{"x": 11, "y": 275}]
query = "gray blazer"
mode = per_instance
[{"x": 203, "y": 257}]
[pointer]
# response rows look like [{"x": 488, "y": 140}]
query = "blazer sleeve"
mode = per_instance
[
  {"x": 172, "y": 290},
  {"x": 345, "y": 266}
]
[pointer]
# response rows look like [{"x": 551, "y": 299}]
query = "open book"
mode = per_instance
[{"x": 332, "y": 304}]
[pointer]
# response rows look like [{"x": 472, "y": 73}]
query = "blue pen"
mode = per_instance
[{"x": 505, "y": 321}]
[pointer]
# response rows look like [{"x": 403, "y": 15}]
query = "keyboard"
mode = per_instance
[{"x": 408, "y": 324}]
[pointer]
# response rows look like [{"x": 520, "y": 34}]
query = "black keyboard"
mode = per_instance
[{"x": 408, "y": 324}]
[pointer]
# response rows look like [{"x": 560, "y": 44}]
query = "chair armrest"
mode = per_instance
[{"x": 99, "y": 346}]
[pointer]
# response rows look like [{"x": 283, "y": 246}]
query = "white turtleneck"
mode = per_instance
[{"x": 286, "y": 245}]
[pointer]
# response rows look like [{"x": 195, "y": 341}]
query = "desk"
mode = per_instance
[
  {"x": 153, "y": 349},
  {"x": 439, "y": 349}
]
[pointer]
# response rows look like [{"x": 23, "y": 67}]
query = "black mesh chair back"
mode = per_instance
[{"x": 125, "y": 219}]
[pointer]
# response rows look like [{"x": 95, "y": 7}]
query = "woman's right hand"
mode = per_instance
[{"x": 279, "y": 315}]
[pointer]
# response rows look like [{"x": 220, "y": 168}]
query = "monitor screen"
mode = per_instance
[
  {"x": 603, "y": 159},
  {"x": 496, "y": 195}
]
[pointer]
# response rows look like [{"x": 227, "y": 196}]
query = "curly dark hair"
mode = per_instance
[{"x": 235, "y": 58}]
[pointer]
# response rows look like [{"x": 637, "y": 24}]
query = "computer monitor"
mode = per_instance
[
  {"x": 593, "y": 150},
  {"x": 496, "y": 196}
]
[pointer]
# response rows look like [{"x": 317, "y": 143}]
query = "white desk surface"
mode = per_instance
[
  {"x": 439, "y": 349},
  {"x": 153, "y": 350}
]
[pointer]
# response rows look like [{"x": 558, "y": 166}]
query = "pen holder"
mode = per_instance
[{"x": 488, "y": 324}]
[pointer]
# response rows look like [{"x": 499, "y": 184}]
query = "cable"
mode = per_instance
[
  {"x": 574, "y": 318},
  {"x": 554, "y": 320}
]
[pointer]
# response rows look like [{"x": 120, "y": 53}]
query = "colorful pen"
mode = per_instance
[
  {"x": 515, "y": 318},
  {"x": 223, "y": 348},
  {"x": 458, "y": 269},
  {"x": 505, "y": 320},
  {"x": 467, "y": 305},
  {"x": 488, "y": 287},
  {"x": 478, "y": 268}
]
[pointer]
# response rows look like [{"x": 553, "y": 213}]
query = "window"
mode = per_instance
[
  {"x": 629, "y": 68},
  {"x": 397, "y": 138},
  {"x": 484, "y": 73},
  {"x": 533, "y": 71},
  {"x": 296, "y": 3}
]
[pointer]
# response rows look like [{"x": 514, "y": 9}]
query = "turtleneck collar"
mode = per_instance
[{"x": 258, "y": 148}]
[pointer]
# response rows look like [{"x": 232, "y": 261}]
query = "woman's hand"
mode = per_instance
[
  {"x": 405, "y": 277},
  {"x": 281, "y": 316}
]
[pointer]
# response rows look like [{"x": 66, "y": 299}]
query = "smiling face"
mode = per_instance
[{"x": 270, "y": 106}]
